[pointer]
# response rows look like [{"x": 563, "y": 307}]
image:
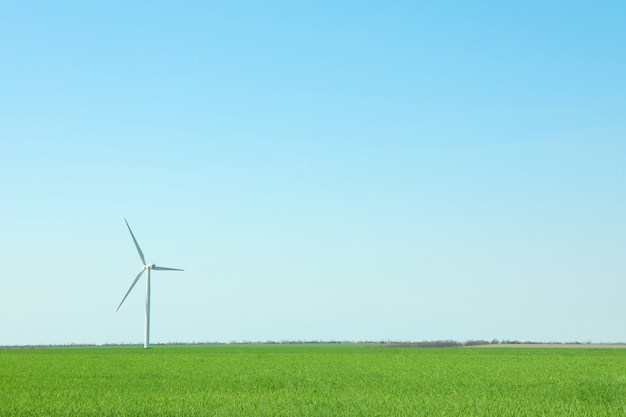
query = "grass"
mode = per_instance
[{"x": 311, "y": 380}]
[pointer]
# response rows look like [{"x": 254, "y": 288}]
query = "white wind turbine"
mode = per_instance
[{"x": 146, "y": 268}]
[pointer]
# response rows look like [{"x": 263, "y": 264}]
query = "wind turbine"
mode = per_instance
[{"x": 146, "y": 268}]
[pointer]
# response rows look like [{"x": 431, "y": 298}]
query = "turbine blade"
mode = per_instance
[
  {"x": 132, "y": 286},
  {"x": 162, "y": 268},
  {"x": 143, "y": 260}
]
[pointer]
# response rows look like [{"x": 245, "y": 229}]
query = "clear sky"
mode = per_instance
[{"x": 321, "y": 170}]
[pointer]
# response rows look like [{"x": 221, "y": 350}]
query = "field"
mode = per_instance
[{"x": 311, "y": 380}]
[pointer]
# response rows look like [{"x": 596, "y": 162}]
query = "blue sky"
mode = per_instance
[{"x": 353, "y": 171}]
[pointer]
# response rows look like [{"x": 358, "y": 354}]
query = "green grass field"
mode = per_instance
[{"x": 311, "y": 380}]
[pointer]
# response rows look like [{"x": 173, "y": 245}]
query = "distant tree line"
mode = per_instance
[{"x": 373, "y": 343}]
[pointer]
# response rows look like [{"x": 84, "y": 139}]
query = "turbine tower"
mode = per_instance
[{"x": 146, "y": 268}]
